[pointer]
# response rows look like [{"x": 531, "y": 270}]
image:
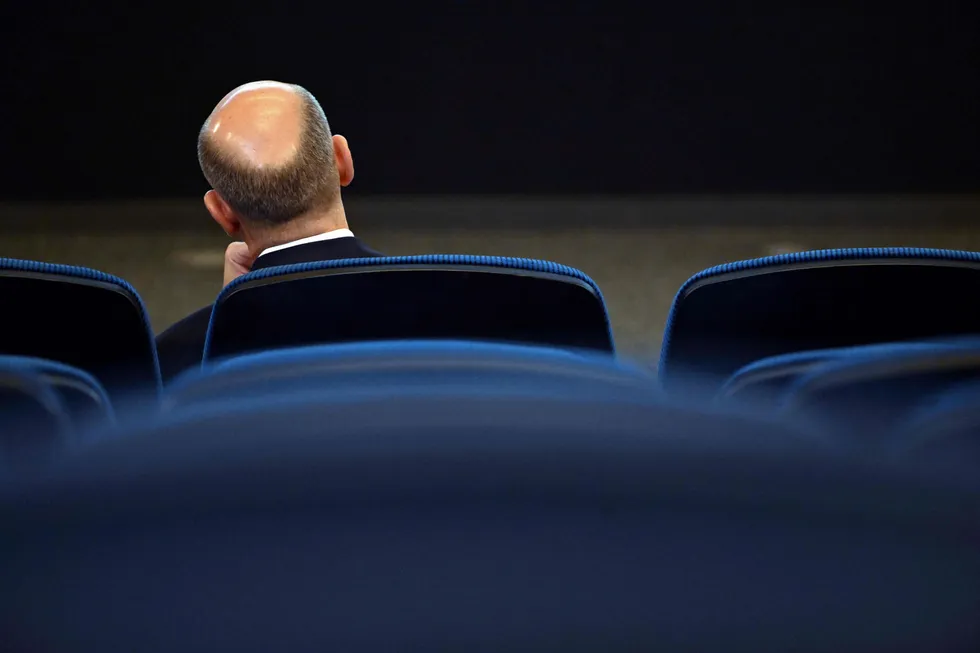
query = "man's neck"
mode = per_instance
[{"x": 298, "y": 229}]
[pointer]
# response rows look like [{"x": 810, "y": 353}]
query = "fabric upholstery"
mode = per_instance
[
  {"x": 728, "y": 316},
  {"x": 435, "y": 523},
  {"x": 412, "y": 297},
  {"x": 767, "y": 379},
  {"x": 428, "y": 366},
  {"x": 81, "y": 317},
  {"x": 35, "y": 424},
  {"x": 864, "y": 396},
  {"x": 84, "y": 397}
]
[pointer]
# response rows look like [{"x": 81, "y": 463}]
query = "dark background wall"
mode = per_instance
[
  {"x": 104, "y": 102},
  {"x": 676, "y": 102}
]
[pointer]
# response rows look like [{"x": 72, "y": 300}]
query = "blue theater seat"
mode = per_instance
[
  {"x": 84, "y": 318},
  {"x": 734, "y": 314},
  {"x": 766, "y": 381},
  {"x": 864, "y": 396},
  {"x": 84, "y": 398},
  {"x": 478, "y": 524},
  {"x": 35, "y": 423},
  {"x": 411, "y": 297},
  {"x": 943, "y": 432},
  {"x": 381, "y": 368}
]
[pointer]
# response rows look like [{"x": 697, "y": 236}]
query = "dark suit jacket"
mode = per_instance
[{"x": 181, "y": 346}]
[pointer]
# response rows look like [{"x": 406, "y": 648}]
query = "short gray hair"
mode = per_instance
[{"x": 276, "y": 196}]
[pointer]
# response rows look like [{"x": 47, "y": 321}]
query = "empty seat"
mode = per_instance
[
  {"x": 81, "y": 317},
  {"x": 731, "y": 315},
  {"x": 379, "y": 368},
  {"x": 863, "y": 397},
  {"x": 765, "y": 381},
  {"x": 34, "y": 423},
  {"x": 412, "y": 297},
  {"x": 83, "y": 396},
  {"x": 481, "y": 525},
  {"x": 943, "y": 432}
]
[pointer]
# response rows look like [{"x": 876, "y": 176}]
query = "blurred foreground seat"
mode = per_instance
[
  {"x": 943, "y": 432},
  {"x": 731, "y": 315},
  {"x": 35, "y": 424},
  {"x": 84, "y": 318},
  {"x": 862, "y": 398},
  {"x": 482, "y": 524},
  {"x": 412, "y": 297},
  {"x": 403, "y": 367},
  {"x": 765, "y": 381},
  {"x": 47, "y": 409},
  {"x": 82, "y": 395}
]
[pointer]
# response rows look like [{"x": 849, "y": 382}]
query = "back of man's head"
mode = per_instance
[{"x": 267, "y": 150}]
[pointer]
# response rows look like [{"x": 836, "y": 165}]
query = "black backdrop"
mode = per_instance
[{"x": 105, "y": 102}]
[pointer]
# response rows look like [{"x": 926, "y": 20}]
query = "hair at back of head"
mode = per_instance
[{"x": 276, "y": 195}]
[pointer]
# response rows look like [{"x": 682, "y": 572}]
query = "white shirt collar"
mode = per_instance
[{"x": 330, "y": 235}]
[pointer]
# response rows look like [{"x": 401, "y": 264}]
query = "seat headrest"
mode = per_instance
[
  {"x": 411, "y": 297},
  {"x": 81, "y": 317},
  {"x": 730, "y": 315}
]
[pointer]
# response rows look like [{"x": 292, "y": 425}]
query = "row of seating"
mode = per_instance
[
  {"x": 721, "y": 319},
  {"x": 814, "y": 334},
  {"x": 734, "y": 314},
  {"x": 467, "y": 465},
  {"x": 450, "y": 496},
  {"x": 98, "y": 322}
]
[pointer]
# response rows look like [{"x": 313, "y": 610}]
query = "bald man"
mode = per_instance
[{"x": 275, "y": 173}]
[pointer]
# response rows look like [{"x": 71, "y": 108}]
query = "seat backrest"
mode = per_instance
[
  {"x": 943, "y": 432},
  {"x": 81, "y": 317},
  {"x": 481, "y": 525},
  {"x": 35, "y": 424},
  {"x": 395, "y": 367},
  {"x": 864, "y": 397},
  {"x": 83, "y": 396},
  {"x": 411, "y": 297},
  {"x": 731, "y": 315},
  {"x": 766, "y": 380}
]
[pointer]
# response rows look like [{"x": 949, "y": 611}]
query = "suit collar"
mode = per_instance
[
  {"x": 329, "y": 235},
  {"x": 318, "y": 250}
]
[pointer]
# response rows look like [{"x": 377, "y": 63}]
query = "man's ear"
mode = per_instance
[
  {"x": 223, "y": 214},
  {"x": 345, "y": 162}
]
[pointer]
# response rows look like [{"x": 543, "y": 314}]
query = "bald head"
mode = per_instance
[{"x": 268, "y": 152}]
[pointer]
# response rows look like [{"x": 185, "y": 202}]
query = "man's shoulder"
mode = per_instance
[
  {"x": 341, "y": 248},
  {"x": 365, "y": 251},
  {"x": 187, "y": 327},
  {"x": 181, "y": 345}
]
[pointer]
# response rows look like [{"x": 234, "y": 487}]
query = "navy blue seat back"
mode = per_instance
[
  {"x": 81, "y": 317},
  {"x": 765, "y": 381},
  {"x": 34, "y": 422},
  {"x": 413, "y": 297},
  {"x": 358, "y": 370},
  {"x": 83, "y": 396},
  {"x": 420, "y": 523},
  {"x": 943, "y": 433},
  {"x": 728, "y": 316},
  {"x": 863, "y": 397}
]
